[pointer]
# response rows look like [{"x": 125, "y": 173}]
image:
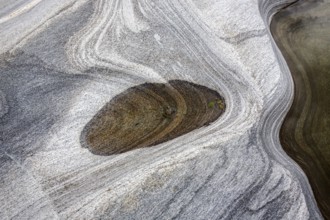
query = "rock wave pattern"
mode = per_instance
[
  {"x": 71, "y": 57},
  {"x": 302, "y": 33}
]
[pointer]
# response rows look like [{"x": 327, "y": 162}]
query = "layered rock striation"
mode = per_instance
[{"x": 66, "y": 61}]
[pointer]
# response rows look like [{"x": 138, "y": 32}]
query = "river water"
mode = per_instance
[{"x": 302, "y": 32}]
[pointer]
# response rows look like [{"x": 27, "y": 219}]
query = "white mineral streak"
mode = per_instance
[
  {"x": 21, "y": 19},
  {"x": 233, "y": 169}
]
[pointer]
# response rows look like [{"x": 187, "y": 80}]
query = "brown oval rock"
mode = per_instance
[{"x": 149, "y": 114}]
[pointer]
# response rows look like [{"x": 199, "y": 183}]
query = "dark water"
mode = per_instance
[{"x": 302, "y": 32}]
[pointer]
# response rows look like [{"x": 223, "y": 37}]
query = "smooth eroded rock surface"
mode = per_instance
[{"x": 62, "y": 61}]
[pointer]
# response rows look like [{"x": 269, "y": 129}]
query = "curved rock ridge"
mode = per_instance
[
  {"x": 149, "y": 114},
  {"x": 279, "y": 109},
  {"x": 59, "y": 74},
  {"x": 302, "y": 33}
]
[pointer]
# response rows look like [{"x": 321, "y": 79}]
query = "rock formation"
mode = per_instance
[{"x": 62, "y": 61}]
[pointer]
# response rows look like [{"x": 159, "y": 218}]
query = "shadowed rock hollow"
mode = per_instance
[{"x": 149, "y": 114}]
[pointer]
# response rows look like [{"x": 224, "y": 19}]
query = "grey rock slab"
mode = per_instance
[{"x": 62, "y": 61}]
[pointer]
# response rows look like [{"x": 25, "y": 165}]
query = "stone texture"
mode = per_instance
[{"x": 62, "y": 61}]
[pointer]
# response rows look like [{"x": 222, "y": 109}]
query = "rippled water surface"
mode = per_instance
[{"x": 302, "y": 32}]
